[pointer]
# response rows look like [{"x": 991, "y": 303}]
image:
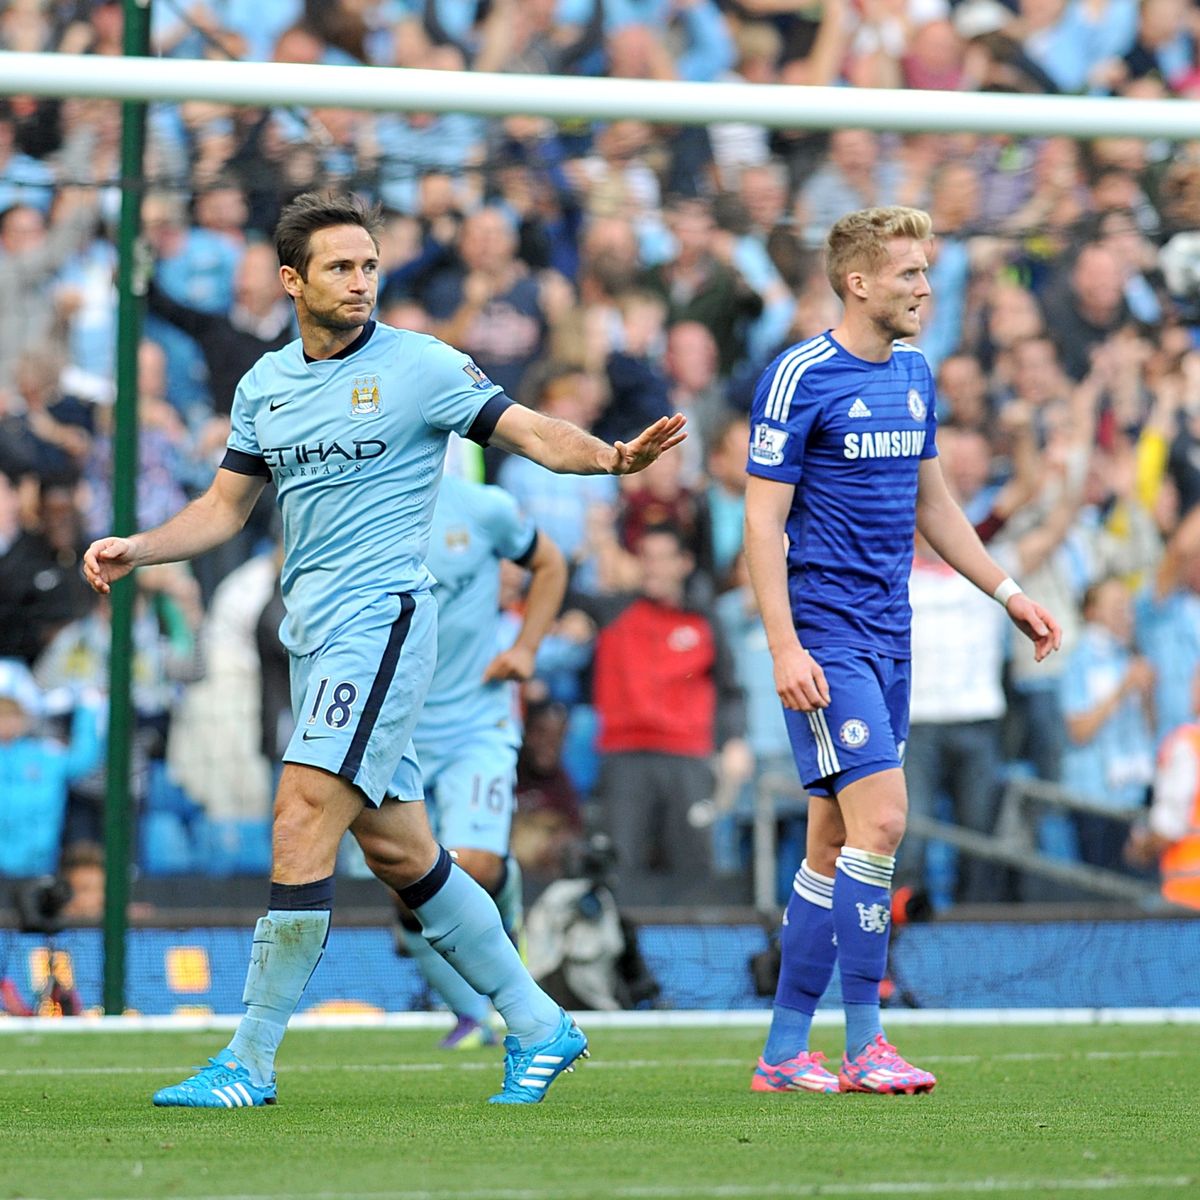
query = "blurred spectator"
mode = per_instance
[
  {"x": 30, "y": 256},
  {"x": 260, "y": 320},
  {"x": 1087, "y": 305},
  {"x": 50, "y": 431},
  {"x": 195, "y": 267},
  {"x": 163, "y": 450},
  {"x": 1168, "y": 625},
  {"x": 34, "y": 774},
  {"x": 82, "y": 869},
  {"x": 1107, "y": 693},
  {"x": 660, "y": 725},
  {"x": 548, "y": 815},
  {"x": 636, "y": 382},
  {"x": 38, "y": 594},
  {"x": 1070, "y": 39},
  {"x": 953, "y": 748},
  {"x": 1170, "y": 836},
  {"x": 491, "y": 306},
  {"x": 855, "y": 175},
  {"x": 698, "y": 287},
  {"x": 723, "y": 501},
  {"x": 562, "y": 505}
]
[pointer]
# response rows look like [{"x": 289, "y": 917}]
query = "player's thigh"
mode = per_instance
[
  {"x": 856, "y": 734},
  {"x": 357, "y": 699},
  {"x": 474, "y": 795},
  {"x": 874, "y": 808}
]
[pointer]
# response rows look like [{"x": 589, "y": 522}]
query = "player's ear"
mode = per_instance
[
  {"x": 856, "y": 284},
  {"x": 291, "y": 280}
]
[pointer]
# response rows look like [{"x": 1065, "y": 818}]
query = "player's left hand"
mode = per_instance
[
  {"x": 648, "y": 445},
  {"x": 515, "y": 664},
  {"x": 1036, "y": 624}
]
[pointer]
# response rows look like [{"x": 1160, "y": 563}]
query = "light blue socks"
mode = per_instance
[{"x": 288, "y": 944}]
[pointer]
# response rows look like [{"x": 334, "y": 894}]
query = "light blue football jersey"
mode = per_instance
[
  {"x": 355, "y": 446},
  {"x": 474, "y": 527},
  {"x": 850, "y": 434}
]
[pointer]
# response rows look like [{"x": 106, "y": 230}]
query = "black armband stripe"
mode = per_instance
[
  {"x": 245, "y": 464},
  {"x": 484, "y": 424}
]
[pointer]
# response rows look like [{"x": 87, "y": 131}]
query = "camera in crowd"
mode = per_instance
[{"x": 39, "y": 904}]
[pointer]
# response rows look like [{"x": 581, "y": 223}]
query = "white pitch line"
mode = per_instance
[
  {"x": 592, "y": 1064},
  {"x": 885, "y": 1187},
  {"x": 648, "y": 1020}
]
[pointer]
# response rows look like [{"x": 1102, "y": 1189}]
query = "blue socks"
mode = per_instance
[
  {"x": 461, "y": 922},
  {"x": 457, "y": 994},
  {"x": 862, "y": 912},
  {"x": 808, "y": 951},
  {"x": 288, "y": 944}
]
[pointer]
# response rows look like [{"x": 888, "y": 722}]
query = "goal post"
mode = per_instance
[{"x": 779, "y": 106}]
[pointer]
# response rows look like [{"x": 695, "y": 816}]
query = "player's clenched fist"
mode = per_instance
[{"x": 107, "y": 560}]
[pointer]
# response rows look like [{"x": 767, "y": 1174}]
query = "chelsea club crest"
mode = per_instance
[
  {"x": 916, "y": 406},
  {"x": 364, "y": 396}
]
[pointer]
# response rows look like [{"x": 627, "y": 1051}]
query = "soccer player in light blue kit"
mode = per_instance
[
  {"x": 351, "y": 422},
  {"x": 842, "y": 469},
  {"x": 469, "y": 730}
]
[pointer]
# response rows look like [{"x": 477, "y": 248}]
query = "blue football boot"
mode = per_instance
[
  {"x": 529, "y": 1072},
  {"x": 224, "y": 1083}
]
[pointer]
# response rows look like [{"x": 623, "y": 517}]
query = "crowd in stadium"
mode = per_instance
[{"x": 611, "y": 274}]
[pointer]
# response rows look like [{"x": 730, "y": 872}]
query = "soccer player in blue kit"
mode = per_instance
[
  {"x": 351, "y": 423},
  {"x": 842, "y": 468},
  {"x": 469, "y": 731}
]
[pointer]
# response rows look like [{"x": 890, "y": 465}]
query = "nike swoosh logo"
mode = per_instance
[
  {"x": 273, "y": 406},
  {"x": 314, "y": 737}
]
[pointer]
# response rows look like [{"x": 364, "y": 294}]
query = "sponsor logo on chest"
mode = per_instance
[{"x": 884, "y": 443}]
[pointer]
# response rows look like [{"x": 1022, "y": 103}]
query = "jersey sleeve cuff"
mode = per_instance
[
  {"x": 524, "y": 559},
  {"x": 245, "y": 464},
  {"x": 484, "y": 424},
  {"x": 778, "y": 474}
]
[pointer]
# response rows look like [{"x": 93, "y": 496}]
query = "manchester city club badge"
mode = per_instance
[{"x": 364, "y": 396}]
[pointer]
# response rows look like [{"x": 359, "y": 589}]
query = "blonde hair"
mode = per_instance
[{"x": 859, "y": 240}]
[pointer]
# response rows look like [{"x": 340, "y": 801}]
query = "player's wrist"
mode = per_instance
[{"x": 1006, "y": 589}]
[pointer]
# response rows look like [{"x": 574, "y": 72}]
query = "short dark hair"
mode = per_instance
[{"x": 314, "y": 211}]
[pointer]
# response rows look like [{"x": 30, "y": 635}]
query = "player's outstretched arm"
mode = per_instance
[
  {"x": 946, "y": 528},
  {"x": 203, "y": 525},
  {"x": 547, "y": 587},
  {"x": 568, "y": 450}
]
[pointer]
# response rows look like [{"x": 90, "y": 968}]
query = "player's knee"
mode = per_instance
[
  {"x": 483, "y": 866},
  {"x": 398, "y": 863},
  {"x": 888, "y": 831}
]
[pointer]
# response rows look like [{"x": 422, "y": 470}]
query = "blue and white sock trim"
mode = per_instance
[
  {"x": 816, "y": 889},
  {"x": 872, "y": 869}
]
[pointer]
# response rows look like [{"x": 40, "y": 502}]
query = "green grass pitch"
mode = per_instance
[{"x": 660, "y": 1114}]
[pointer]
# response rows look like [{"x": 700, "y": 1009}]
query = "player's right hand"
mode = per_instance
[
  {"x": 799, "y": 680},
  {"x": 107, "y": 560}
]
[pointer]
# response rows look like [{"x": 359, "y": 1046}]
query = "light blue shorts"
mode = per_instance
[
  {"x": 357, "y": 699},
  {"x": 863, "y": 730},
  {"x": 469, "y": 790}
]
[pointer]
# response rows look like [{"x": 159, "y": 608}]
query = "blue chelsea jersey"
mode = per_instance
[
  {"x": 850, "y": 435},
  {"x": 355, "y": 446},
  {"x": 474, "y": 527}
]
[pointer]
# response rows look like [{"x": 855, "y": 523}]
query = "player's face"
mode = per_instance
[
  {"x": 342, "y": 279},
  {"x": 896, "y": 291}
]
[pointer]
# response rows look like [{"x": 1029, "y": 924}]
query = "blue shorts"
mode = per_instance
[
  {"x": 469, "y": 790},
  {"x": 863, "y": 730},
  {"x": 357, "y": 699}
]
